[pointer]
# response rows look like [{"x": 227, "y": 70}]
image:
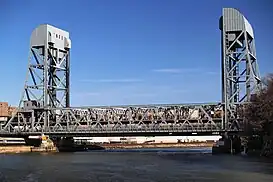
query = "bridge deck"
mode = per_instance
[{"x": 183, "y": 119}]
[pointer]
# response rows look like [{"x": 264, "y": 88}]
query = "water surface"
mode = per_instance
[{"x": 143, "y": 165}]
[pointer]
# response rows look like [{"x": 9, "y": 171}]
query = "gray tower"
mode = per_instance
[
  {"x": 47, "y": 82},
  {"x": 240, "y": 73}
]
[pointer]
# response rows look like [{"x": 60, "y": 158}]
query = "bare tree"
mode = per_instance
[{"x": 259, "y": 114}]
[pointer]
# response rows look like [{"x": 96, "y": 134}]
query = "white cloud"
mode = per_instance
[
  {"x": 128, "y": 80},
  {"x": 174, "y": 70},
  {"x": 87, "y": 94},
  {"x": 131, "y": 94},
  {"x": 187, "y": 70},
  {"x": 212, "y": 73},
  {"x": 141, "y": 95},
  {"x": 169, "y": 70},
  {"x": 179, "y": 91}
]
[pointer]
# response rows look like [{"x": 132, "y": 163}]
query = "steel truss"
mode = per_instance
[
  {"x": 123, "y": 119},
  {"x": 240, "y": 73}
]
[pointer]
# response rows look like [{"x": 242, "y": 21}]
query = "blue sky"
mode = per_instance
[{"x": 131, "y": 51}]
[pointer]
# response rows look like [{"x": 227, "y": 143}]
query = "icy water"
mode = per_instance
[{"x": 134, "y": 165}]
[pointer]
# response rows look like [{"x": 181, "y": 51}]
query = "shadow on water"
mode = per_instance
[{"x": 158, "y": 150}]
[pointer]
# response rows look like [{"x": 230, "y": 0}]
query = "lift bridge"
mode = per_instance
[{"x": 45, "y": 103}]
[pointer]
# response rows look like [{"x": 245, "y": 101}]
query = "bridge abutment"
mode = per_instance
[
  {"x": 30, "y": 141},
  {"x": 228, "y": 144},
  {"x": 67, "y": 144}
]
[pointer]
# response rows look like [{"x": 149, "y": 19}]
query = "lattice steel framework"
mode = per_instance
[
  {"x": 47, "y": 82},
  {"x": 240, "y": 73},
  {"x": 122, "y": 120}
]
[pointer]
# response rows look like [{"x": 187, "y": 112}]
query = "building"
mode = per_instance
[
  {"x": 6, "y": 111},
  {"x": 11, "y": 110}
]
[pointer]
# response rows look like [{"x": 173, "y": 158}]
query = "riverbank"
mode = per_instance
[
  {"x": 24, "y": 149},
  {"x": 14, "y": 149},
  {"x": 28, "y": 149}
]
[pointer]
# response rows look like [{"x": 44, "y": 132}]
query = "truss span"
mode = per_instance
[{"x": 129, "y": 120}]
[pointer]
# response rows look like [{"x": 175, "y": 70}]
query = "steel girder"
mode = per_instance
[
  {"x": 123, "y": 119},
  {"x": 240, "y": 73}
]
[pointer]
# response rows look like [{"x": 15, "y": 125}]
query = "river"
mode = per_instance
[{"x": 150, "y": 165}]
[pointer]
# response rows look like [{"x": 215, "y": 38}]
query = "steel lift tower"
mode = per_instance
[
  {"x": 47, "y": 81},
  {"x": 240, "y": 72},
  {"x": 49, "y": 55}
]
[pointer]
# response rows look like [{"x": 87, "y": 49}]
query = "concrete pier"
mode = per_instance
[{"x": 228, "y": 145}]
